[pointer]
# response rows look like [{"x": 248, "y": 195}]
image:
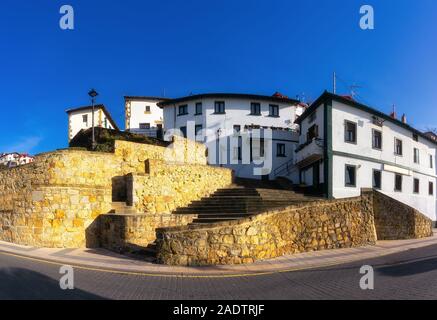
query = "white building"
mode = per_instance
[
  {"x": 230, "y": 122},
  {"x": 15, "y": 159},
  {"x": 81, "y": 118},
  {"x": 143, "y": 116},
  {"x": 346, "y": 146}
]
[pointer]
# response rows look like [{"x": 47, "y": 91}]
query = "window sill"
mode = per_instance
[
  {"x": 350, "y": 142},
  {"x": 377, "y": 149},
  {"x": 182, "y": 114},
  {"x": 271, "y": 116},
  {"x": 350, "y": 186},
  {"x": 198, "y": 114},
  {"x": 255, "y": 114},
  {"x": 219, "y": 113},
  {"x": 281, "y": 156}
]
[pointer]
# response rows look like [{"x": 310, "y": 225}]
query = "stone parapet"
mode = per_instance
[
  {"x": 395, "y": 220},
  {"x": 308, "y": 227},
  {"x": 325, "y": 224}
]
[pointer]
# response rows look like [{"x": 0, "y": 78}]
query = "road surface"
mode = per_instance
[{"x": 408, "y": 275}]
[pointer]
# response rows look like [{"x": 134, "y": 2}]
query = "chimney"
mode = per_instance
[
  {"x": 393, "y": 113},
  {"x": 404, "y": 118}
]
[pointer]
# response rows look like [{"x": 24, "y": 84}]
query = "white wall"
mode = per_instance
[
  {"x": 76, "y": 123},
  {"x": 306, "y": 124},
  {"x": 139, "y": 115},
  {"x": 422, "y": 201},
  {"x": 238, "y": 113}
]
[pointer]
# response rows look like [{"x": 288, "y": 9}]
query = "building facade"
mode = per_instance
[
  {"x": 143, "y": 116},
  {"x": 15, "y": 159},
  {"x": 345, "y": 146},
  {"x": 81, "y": 118},
  {"x": 254, "y": 135}
]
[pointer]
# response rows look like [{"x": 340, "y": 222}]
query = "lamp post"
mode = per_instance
[{"x": 93, "y": 94}]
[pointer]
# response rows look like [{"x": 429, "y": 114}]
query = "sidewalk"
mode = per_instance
[{"x": 106, "y": 261}]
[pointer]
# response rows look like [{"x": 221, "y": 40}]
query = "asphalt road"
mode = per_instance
[{"x": 407, "y": 275}]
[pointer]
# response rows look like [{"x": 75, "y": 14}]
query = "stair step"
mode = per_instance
[{"x": 223, "y": 216}]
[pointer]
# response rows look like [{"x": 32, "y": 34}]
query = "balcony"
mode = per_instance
[{"x": 309, "y": 152}]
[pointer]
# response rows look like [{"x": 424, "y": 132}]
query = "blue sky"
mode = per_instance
[{"x": 135, "y": 47}]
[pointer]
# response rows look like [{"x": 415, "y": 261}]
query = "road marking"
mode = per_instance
[{"x": 156, "y": 275}]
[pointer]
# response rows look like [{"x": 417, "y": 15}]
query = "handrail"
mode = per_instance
[{"x": 285, "y": 167}]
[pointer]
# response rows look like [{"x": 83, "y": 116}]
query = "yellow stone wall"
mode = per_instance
[
  {"x": 170, "y": 186},
  {"x": 54, "y": 201},
  {"x": 313, "y": 226},
  {"x": 318, "y": 225}
]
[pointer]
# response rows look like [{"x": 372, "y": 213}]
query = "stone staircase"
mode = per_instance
[{"x": 243, "y": 199}]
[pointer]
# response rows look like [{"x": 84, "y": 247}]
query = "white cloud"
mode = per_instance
[{"x": 25, "y": 145}]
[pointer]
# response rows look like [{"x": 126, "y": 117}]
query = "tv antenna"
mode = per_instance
[{"x": 353, "y": 90}]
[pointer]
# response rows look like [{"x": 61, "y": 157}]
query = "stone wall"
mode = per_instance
[
  {"x": 395, "y": 220},
  {"x": 314, "y": 226},
  {"x": 166, "y": 187},
  {"x": 54, "y": 201},
  {"x": 51, "y": 202},
  {"x": 133, "y": 232}
]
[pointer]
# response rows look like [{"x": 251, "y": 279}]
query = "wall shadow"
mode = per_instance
[
  {"x": 410, "y": 268},
  {"x": 23, "y": 284}
]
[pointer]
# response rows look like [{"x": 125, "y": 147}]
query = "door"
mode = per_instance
[{"x": 159, "y": 133}]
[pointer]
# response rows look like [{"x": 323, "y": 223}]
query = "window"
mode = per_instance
[
  {"x": 184, "y": 131},
  {"x": 416, "y": 155},
  {"x": 377, "y": 139},
  {"x": 237, "y": 130},
  {"x": 431, "y": 188},
  {"x": 416, "y": 185},
  {"x": 377, "y": 179},
  {"x": 145, "y": 126},
  {"x": 85, "y": 119},
  {"x": 280, "y": 150},
  {"x": 219, "y": 107},
  {"x": 255, "y": 109},
  {"x": 312, "y": 117},
  {"x": 350, "y": 132},
  {"x": 431, "y": 162},
  {"x": 274, "y": 110},
  {"x": 183, "y": 110},
  {"x": 398, "y": 182},
  {"x": 350, "y": 176},
  {"x": 416, "y": 137},
  {"x": 147, "y": 109},
  {"x": 256, "y": 149},
  {"x": 198, "y": 132},
  {"x": 199, "y": 109},
  {"x": 398, "y": 147},
  {"x": 313, "y": 132}
]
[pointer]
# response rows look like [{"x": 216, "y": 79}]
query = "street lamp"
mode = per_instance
[{"x": 93, "y": 94}]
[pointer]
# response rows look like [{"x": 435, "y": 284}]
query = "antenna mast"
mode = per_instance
[{"x": 334, "y": 83}]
